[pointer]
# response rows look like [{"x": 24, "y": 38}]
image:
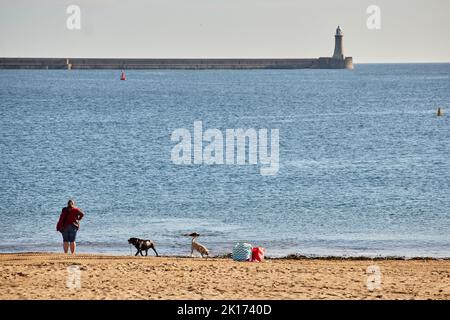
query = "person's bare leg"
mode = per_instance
[
  {"x": 72, "y": 247},
  {"x": 66, "y": 246}
]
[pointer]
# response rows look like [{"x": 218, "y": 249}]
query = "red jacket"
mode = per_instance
[{"x": 68, "y": 216}]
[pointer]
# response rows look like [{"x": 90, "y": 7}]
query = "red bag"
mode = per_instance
[{"x": 258, "y": 254}]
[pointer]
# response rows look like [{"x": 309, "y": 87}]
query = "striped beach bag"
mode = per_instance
[{"x": 242, "y": 252}]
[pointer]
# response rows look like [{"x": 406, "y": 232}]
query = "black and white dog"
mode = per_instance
[{"x": 142, "y": 245}]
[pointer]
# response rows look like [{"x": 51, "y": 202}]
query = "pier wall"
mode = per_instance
[
  {"x": 33, "y": 63},
  {"x": 89, "y": 63}
]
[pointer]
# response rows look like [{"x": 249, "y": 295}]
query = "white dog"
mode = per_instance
[{"x": 197, "y": 246}]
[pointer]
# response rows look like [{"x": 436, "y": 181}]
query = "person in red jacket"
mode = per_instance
[{"x": 68, "y": 225}]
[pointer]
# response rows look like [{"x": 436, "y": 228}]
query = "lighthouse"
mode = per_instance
[
  {"x": 338, "y": 60},
  {"x": 338, "y": 51}
]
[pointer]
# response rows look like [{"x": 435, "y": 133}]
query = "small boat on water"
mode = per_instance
[{"x": 122, "y": 76}]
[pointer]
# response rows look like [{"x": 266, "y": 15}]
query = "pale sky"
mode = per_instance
[{"x": 411, "y": 30}]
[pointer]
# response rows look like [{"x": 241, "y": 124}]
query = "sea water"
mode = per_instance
[{"x": 364, "y": 162}]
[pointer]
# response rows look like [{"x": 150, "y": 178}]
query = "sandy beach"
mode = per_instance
[{"x": 45, "y": 276}]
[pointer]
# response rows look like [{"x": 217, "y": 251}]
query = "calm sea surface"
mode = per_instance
[{"x": 364, "y": 161}]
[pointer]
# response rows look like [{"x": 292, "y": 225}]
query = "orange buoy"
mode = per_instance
[{"x": 122, "y": 76}]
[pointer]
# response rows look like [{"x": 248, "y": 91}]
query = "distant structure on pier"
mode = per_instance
[
  {"x": 338, "y": 51},
  {"x": 337, "y": 61}
]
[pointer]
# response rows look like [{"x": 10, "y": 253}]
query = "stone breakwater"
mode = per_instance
[{"x": 195, "y": 64}]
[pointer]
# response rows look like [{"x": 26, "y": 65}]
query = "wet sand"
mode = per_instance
[{"x": 46, "y": 275}]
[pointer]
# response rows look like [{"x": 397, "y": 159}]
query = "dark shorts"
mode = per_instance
[{"x": 69, "y": 233}]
